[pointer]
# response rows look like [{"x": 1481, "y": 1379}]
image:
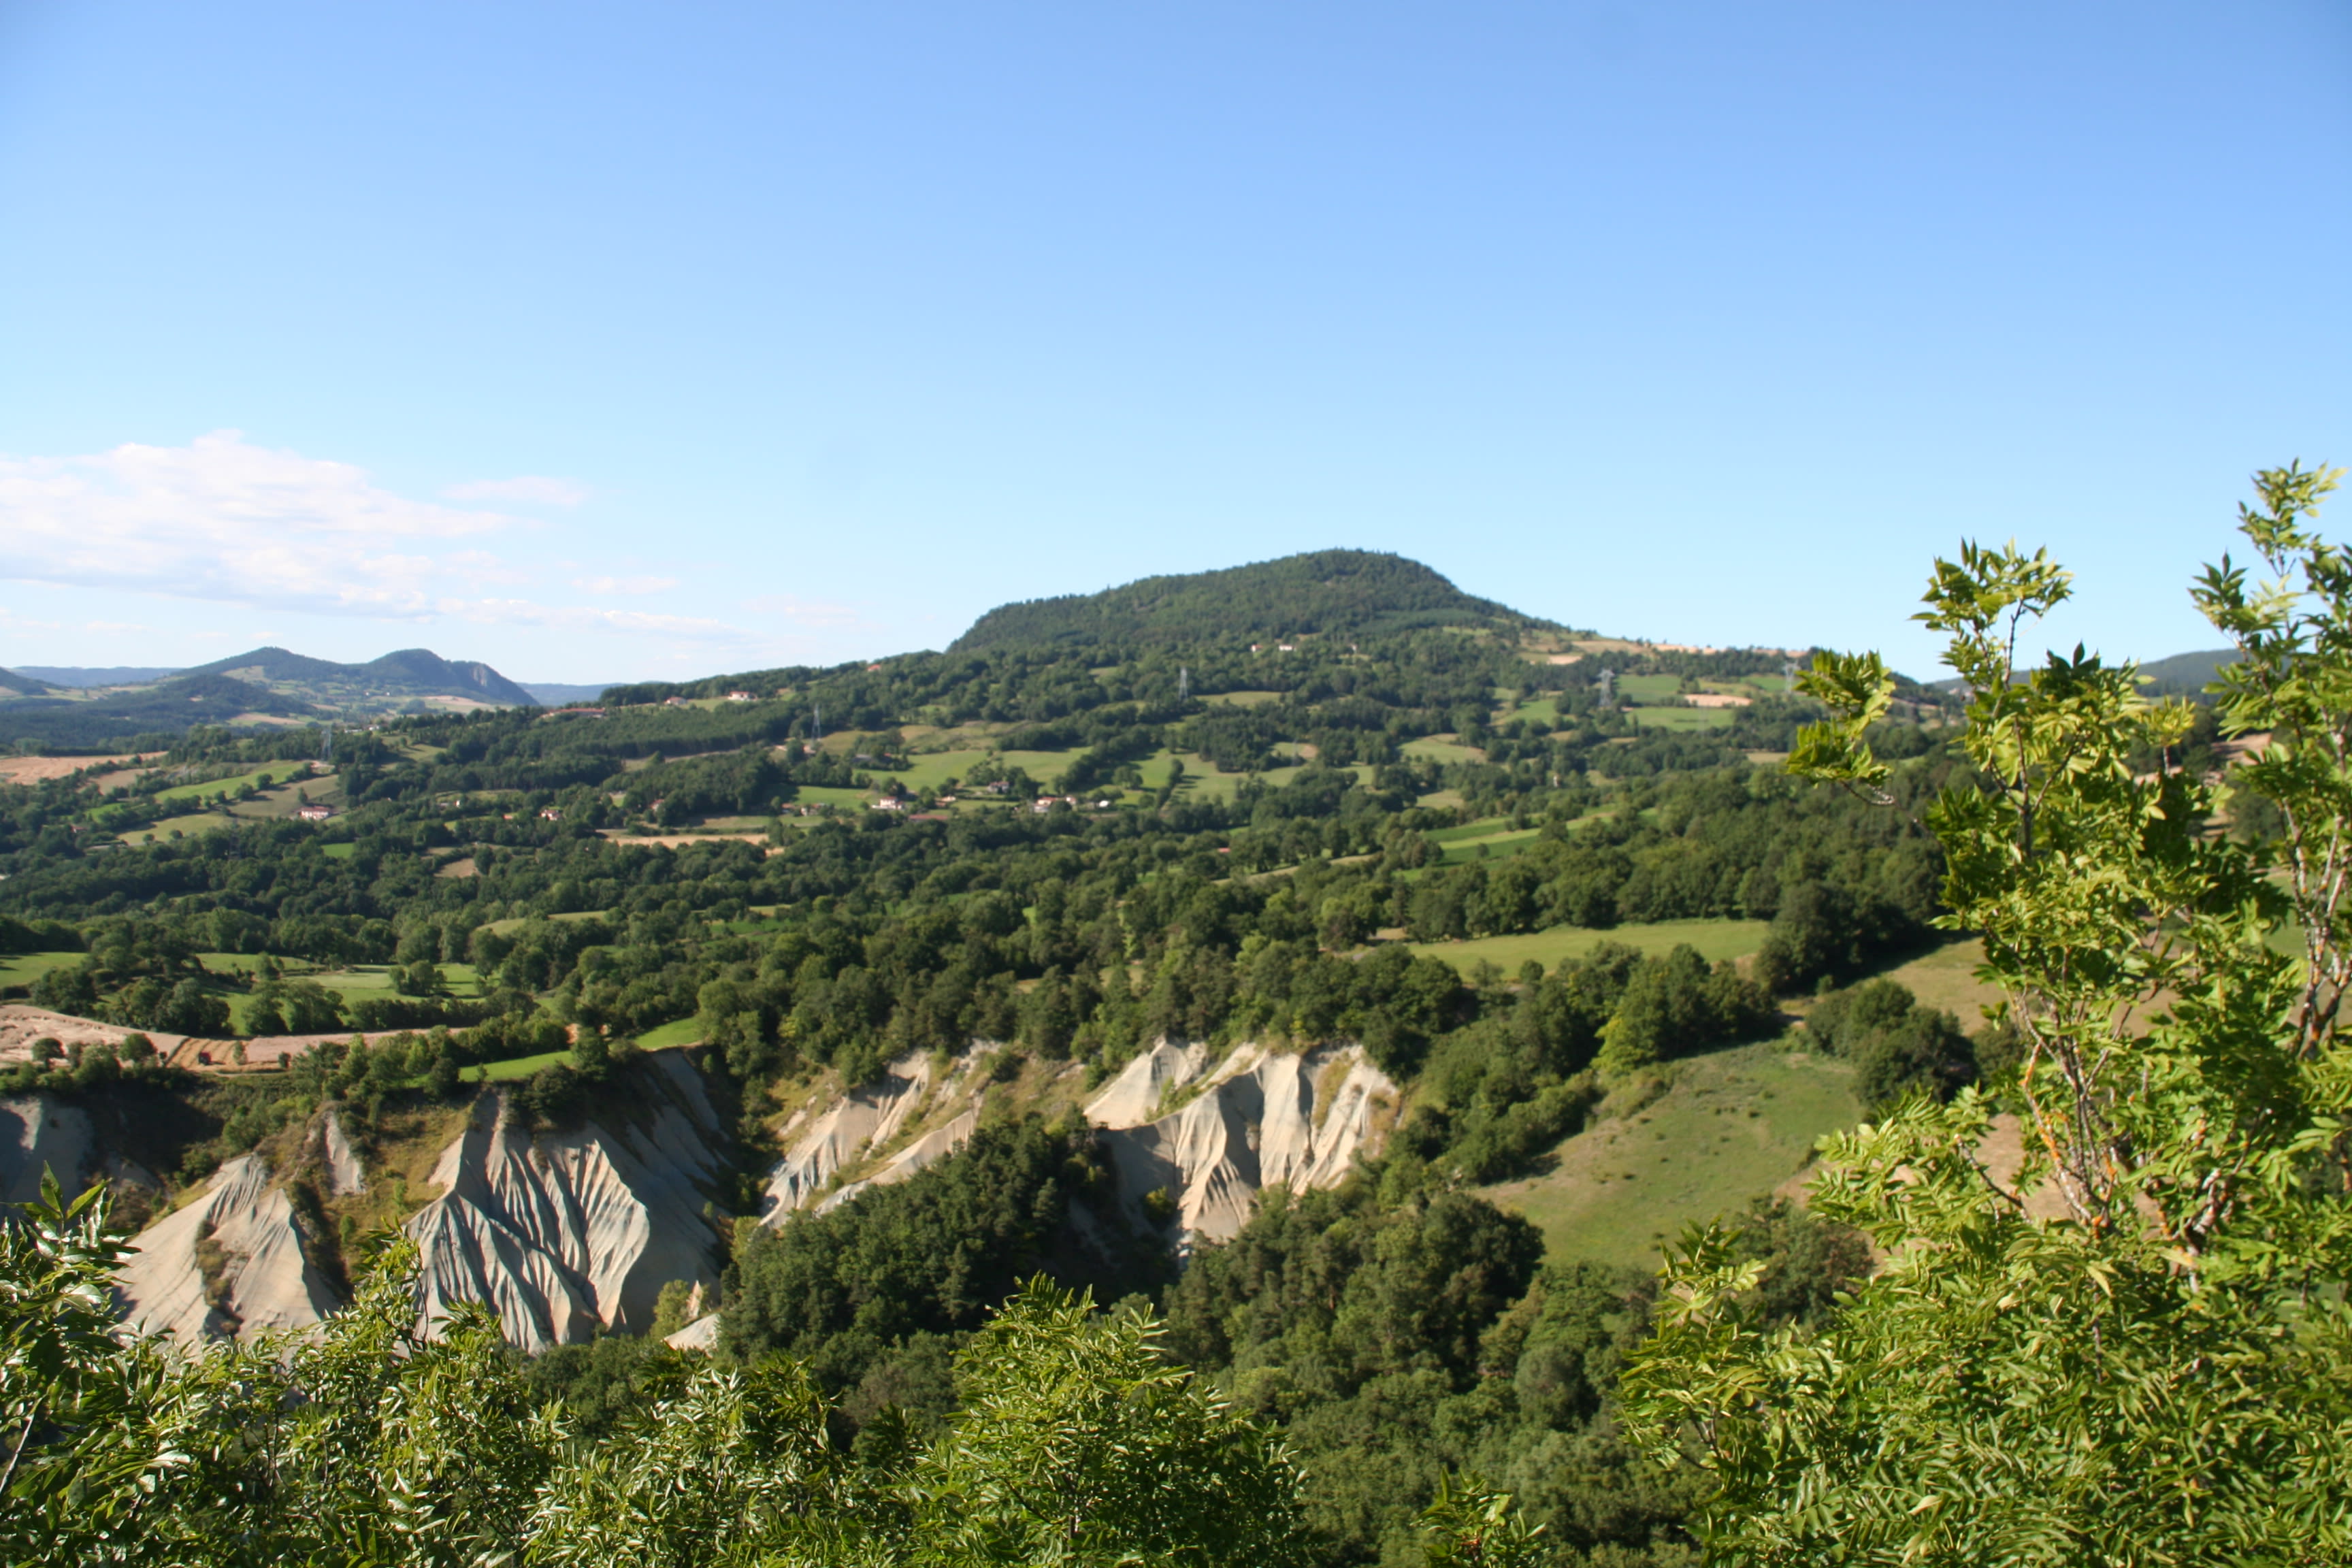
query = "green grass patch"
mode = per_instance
[
  {"x": 1946, "y": 978},
  {"x": 1682, "y": 718},
  {"x": 1648, "y": 687},
  {"x": 825, "y": 794},
  {"x": 1714, "y": 939},
  {"x": 1241, "y": 699},
  {"x": 212, "y": 788},
  {"x": 1735, "y": 1125},
  {"x": 1436, "y": 751},
  {"x": 24, "y": 968},
  {"x": 1491, "y": 845},
  {"x": 683, "y": 1032},
  {"x": 517, "y": 1067}
]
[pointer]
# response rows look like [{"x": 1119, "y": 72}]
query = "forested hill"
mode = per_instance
[
  {"x": 409, "y": 672},
  {"x": 1325, "y": 592},
  {"x": 24, "y": 684}
]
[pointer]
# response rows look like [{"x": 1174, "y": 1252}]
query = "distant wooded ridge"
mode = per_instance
[{"x": 1321, "y": 593}]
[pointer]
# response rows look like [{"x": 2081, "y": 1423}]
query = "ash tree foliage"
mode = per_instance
[
  {"x": 2139, "y": 1355},
  {"x": 1078, "y": 1442}
]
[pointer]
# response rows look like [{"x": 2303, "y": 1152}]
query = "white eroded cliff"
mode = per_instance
[
  {"x": 1255, "y": 1118},
  {"x": 563, "y": 1233},
  {"x": 1259, "y": 1118},
  {"x": 231, "y": 1262},
  {"x": 864, "y": 1121}
]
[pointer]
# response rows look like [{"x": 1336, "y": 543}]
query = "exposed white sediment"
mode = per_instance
[
  {"x": 39, "y": 1132},
  {"x": 866, "y": 1118},
  {"x": 345, "y": 1176},
  {"x": 563, "y": 1234},
  {"x": 242, "y": 1231},
  {"x": 1255, "y": 1121},
  {"x": 1251, "y": 1121}
]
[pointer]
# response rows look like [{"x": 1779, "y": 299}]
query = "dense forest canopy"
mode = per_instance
[{"x": 1326, "y": 592}]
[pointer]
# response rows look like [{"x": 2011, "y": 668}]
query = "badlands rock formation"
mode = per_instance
[
  {"x": 1257, "y": 1120},
  {"x": 1212, "y": 1133},
  {"x": 867, "y": 1119},
  {"x": 564, "y": 1233},
  {"x": 229, "y": 1263},
  {"x": 40, "y": 1132}
]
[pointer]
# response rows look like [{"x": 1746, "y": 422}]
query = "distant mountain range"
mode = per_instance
[
  {"x": 113, "y": 675},
  {"x": 62, "y": 705}
]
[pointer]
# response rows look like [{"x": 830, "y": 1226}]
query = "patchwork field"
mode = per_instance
[
  {"x": 1713, "y": 939},
  {"x": 1735, "y": 1125}
]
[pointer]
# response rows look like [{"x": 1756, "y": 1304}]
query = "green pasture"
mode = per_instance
[
  {"x": 1946, "y": 978},
  {"x": 1735, "y": 1125},
  {"x": 825, "y": 794},
  {"x": 1490, "y": 846},
  {"x": 1544, "y": 710},
  {"x": 517, "y": 1067},
  {"x": 212, "y": 788},
  {"x": 683, "y": 1032},
  {"x": 1436, "y": 751},
  {"x": 24, "y": 968},
  {"x": 1714, "y": 939},
  {"x": 1682, "y": 718},
  {"x": 1241, "y": 699},
  {"x": 1648, "y": 687}
]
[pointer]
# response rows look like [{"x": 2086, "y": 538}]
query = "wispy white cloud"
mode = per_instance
[
  {"x": 223, "y": 521},
  {"x": 623, "y": 585},
  {"x": 529, "y": 490},
  {"x": 220, "y": 519}
]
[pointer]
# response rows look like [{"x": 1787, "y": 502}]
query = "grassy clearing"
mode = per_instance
[
  {"x": 684, "y": 1032},
  {"x": 825, "y": 794},
  {"x": 1735, "y": 1125},
  {"x": 1241, "y": 699},
  {"x": 212, "y": 788},
  {"x": 1946, "y": 978},
  {"x": 1436, "y": 749},
  {"x": 24, "y": 968},
  {"x": 1492, "y": 846},
  {"x": 517, "y": 1067},
  {"x": 1680, "y": 718},
  {"x": 1714, "y": 939}
]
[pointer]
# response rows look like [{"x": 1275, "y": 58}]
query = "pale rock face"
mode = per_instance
[
  {"x": 39, "y": 1132},
  {"x": 346, "y": 1175},
  {"x": 1135, "y": 1096},
  {"x": 564, "y": 1233},
  {"x": 264, "y": 1280},
  {"x": 701, "y": 1334},
  {"x": 1255, "y": 1123},
  {"x": 1254, "y": 1120},
  {"x": 863, "y": 1120},
  {"x": 36, "y": 1133}
]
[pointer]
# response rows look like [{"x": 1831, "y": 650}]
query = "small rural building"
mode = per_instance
[
  {"x": 673, "y": 701},
  {"x": 311, "y": 811},
  {"x": 738, "y": 697},
  {"x": 549, "y": 814}
]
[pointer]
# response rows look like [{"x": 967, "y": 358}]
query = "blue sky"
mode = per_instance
[{"x": 609, "y": 341}]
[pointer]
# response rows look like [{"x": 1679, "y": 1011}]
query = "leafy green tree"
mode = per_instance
[{"x": 2158, "y": 1374}]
